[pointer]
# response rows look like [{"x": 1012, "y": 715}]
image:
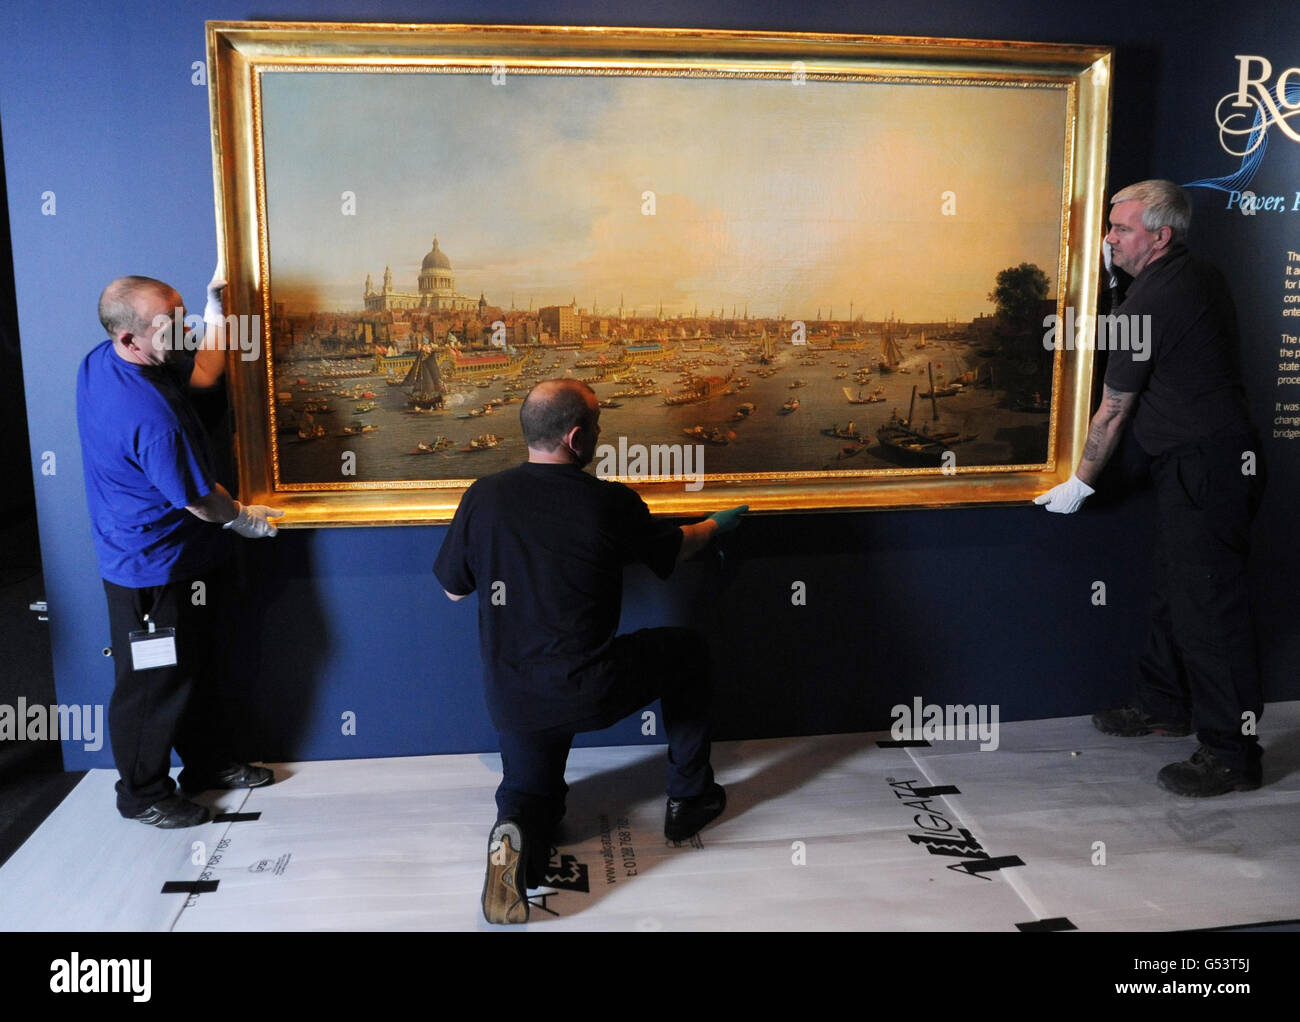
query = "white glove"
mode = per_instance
[
  {"x": 1067, "y": 497},
  {"x": 253, "y": 520},
  {"x": 213, "y": 312}
]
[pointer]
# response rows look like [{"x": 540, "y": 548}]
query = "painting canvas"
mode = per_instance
[{"x": 809, "y": 289}]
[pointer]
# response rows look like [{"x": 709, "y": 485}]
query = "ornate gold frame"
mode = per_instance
[{"x": 239, "y": 51}]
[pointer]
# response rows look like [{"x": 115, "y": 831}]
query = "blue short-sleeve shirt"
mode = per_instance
[{"x": 145, "y": 457}]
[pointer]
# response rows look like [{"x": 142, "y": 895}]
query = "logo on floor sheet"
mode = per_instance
[
  {"x": 566, "y": 873},
  {"x": 274, "y": 867},
  {"x": 941, "y": 836}
]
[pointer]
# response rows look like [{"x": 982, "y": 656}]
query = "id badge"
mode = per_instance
[{"x": 153, "y": 648}]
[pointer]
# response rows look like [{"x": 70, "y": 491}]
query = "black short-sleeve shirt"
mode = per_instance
[
  {"x": 545, "y": 545},
  {"x": 1190, "y": 381}
]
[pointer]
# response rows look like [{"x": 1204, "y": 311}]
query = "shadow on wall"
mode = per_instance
[{"x": 277, "y": 687}]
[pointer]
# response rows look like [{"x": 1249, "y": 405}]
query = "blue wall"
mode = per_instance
[{"x": 989, "y": 605}]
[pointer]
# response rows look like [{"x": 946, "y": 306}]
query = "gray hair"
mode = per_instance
[
  {"x": 1164, "y": 204},
  {"x": 117, "y": 310}
]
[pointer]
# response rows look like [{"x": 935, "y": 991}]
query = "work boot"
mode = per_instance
[
  {"x": 685, "y": 817},
  {"x": 1203, "y": 775},
  {"x": 1130, "y": 722}
]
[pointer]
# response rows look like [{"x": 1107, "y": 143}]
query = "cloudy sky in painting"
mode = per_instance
[{"x": 786, "y": 198}]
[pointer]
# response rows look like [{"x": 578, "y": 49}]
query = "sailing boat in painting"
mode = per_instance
[
  {"x": 891, "y": 355},
  {"x": 424, "y": 385}
]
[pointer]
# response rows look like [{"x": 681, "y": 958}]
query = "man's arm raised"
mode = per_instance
[{"x": 210, "y": 358}]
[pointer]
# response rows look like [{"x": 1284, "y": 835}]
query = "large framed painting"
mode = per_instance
[{"x": 799, "y": 271}]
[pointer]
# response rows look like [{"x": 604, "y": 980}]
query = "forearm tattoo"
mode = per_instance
[{"x": 1115, "y": 406}]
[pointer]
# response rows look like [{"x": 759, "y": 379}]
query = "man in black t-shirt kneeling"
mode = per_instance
[
  {"x": 546, "y": 542},
  {"x": 1178, "y": 379}
]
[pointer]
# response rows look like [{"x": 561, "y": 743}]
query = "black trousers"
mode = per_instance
[
  {"x": 669, "y": 664},
  {"x": 1200, "y": 663},
  {"x": 153, "y": 711}
]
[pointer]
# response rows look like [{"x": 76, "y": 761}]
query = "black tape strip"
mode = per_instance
[
  {"x": 991, "y": 865},
  {"x": 906, "y": 743},
  {"x": 1055, "y": 925},
  {"x": 235, "y": 817},
  {"x": 938, "y": 789},
  {"x": 190, "y": 886}
]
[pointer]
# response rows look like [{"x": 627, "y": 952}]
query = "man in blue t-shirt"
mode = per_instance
[
  {"x": 159, "y": 523},
  {"x": 546, "y": 542},
  {"x": 1180, "y": 385}
]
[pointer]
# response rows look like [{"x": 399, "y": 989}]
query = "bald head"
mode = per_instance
[
  {"x": 120, "y": 306},
  {"x": 552, "y": 409}
]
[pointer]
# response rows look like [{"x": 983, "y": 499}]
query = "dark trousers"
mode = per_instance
[
  {"x": 1200, "y": 662},
  {"x": 153, "y": 711},
  {"x": 669, "y": 664}
]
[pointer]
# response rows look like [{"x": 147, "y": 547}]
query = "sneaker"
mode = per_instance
[
  {"x": 1130, "y": 722},
  {"x": 1203, "y": 775},
  {"x": 505, "y": 898},
  {"x": 237, "y": 775},
  {"x": 174, "y": 812},
  {"x": 685, "y": 817}
]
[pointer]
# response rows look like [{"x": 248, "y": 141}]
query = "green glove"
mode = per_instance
[{"x": 728, "y": 519}]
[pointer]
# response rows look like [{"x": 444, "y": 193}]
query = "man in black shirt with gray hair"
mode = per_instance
[
  {"x": 545, "y": 544},
  {"x": 1181, "y": 387}
]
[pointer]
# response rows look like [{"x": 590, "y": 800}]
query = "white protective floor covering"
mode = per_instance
[{"x": 1060, "y": 827}]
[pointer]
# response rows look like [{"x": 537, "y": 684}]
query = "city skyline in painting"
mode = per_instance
[{"x": 697, "y": 196}]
